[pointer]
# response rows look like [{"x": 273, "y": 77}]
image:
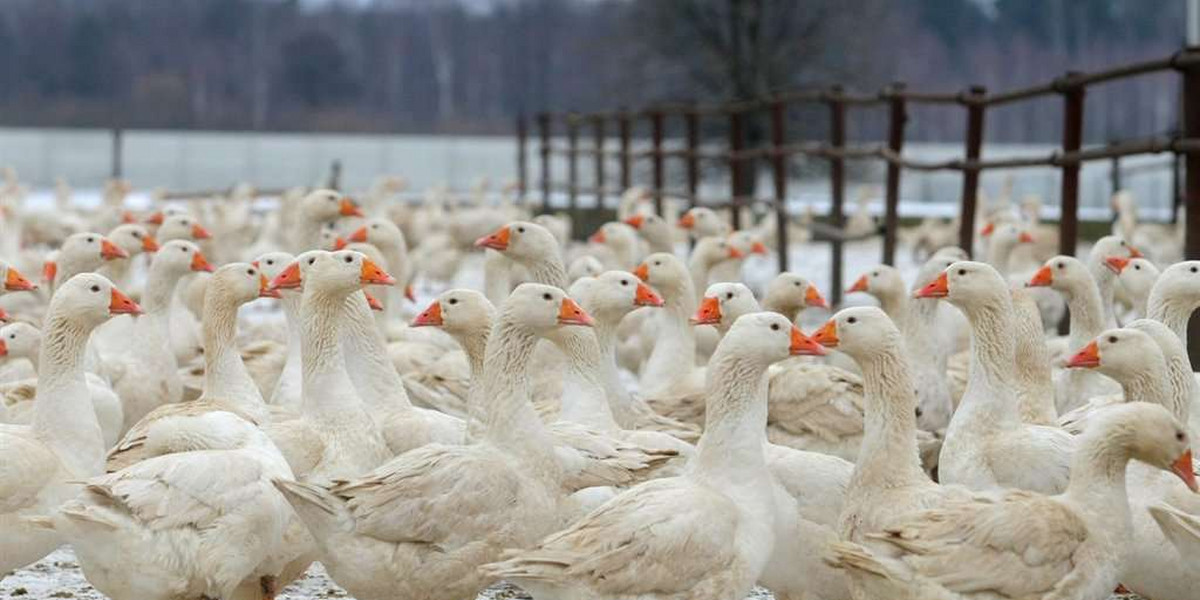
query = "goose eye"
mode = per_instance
[
  {"x": 452, "y": 301},
  {"x": 658, "y": 263},
  {"x": 1137, "y": 267},
  {"x": 12, "y": 336},
  {"x": 852, "y": 320},
  {"x": 917, "y": 411},
  {"x": 1112, "y": 339},
  {"x": 796, "y": 283},
  {"x": 250, "y": 272},
  {"x": 137, "y": 235},
  {"x": 95, "y": 288},
  {"x": 875, "y": 274},
  {"x": 520, "y": 230},
  {"x": 729, "y": 295},
  {"x": 1193, "y": 269},
  {"x": 547, "y": 297},
  {"x": 624, "y": 282},
  {"x": 90, "y": 240},
  {"x": 1060, "y": 265},
  {"x": 312, "y": 260},
  {"x": 349, "y": 259},
  {"x": 962, "y": 271},
  {"x": 375, "y": 226},
  {"x": 774, "y": 326},
  {"x": 1179, "y": 435},
  {"x": 270, "y": 262}
]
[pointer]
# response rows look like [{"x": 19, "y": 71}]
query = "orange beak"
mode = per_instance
[
  {"x": 827, "y": 334},
  {"x": 804, "y": 345},
  {"x": 373, "y": 302},
  {"x": 498, "y": 240},
  {"x": 14, "y": 281},
  {"x": 758, "y": 248},
  {"x": 339, "y": 243},
  {"x": 373, "y": 275},
  {"x": 940, "y": 288},
  {"x": 813, "y": 297},
  {"x": 127, "y": 217},
  {"x": 1088, "y": 358},
  {"x": 347, "y": 208},
  {"x": 49, "y": 271},
  {"x": 635, "y": 221},
  {"x": 1025, "y": 237},
  {"x": 687, "y": 221},
  {"x": 111, "y": 251},
  {"x": 432, "y": 317},
  {"x": 120, "y": 304},
  {"x": 3, "y": 346},
  {"x": 859, "y": 286},
  {"x": 289, "y": 279},
  {"x": 1184, "y": 469},
  {"x": 149, "y": 244},
  {"x": 598, "y": 237},
  {"x": 646, "y": 296},
  {"x": 199, "y": 263},
  {"x": 1116, "y": 264},
  {"x": 735, "y": 253},
  {"x": 4, "y": 318},
  {"x": 709, "y": 312},
  {"x": 1135, "y": 253},
  {"x": 408, "y": 293},
  {"x": 359, "y": 235},
  {"x": 1043, "y": 278},
  {"x": 570, "y": 313},
  {"x": 200, "y": 233},
  {"x": 643, "y": 272},
  {"x": 264, "y": 287},
  {"x": 987, "y": 229},
  {"x": 155, "y": 218}
]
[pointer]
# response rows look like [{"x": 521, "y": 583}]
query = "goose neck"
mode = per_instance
[
  {"x": 894, "y": 302},
  {"x": 673, "y": 356},
  {"x": 547, "y": 270},
  {"x": 160, "y": 286},
  {"x": 1171, "y": 311},
  {"x": 287, "y": 389},
  {"x": 889, "y": 454},
  {"x": 735, "y": 419},
  {"x": 1098, "y": 478},
  {"x": 63, "y": 415},
  {"x": 367, "y": 358},
  {"x": 327, "y": 390},
  {"x": 990, "y": 390},
  {"x": 1106, "y": 282},
  {"x": 1087, "y": 312},
  {"x": 619, "y": 400},
  {"x": 584, "y": 398},
  {"x": 226, "y": 378},
  {"x": 501, "y": 391},
  {"x": 785, "y": 307}
]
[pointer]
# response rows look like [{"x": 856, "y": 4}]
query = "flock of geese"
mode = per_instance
[{"x": 617, "y": 419}]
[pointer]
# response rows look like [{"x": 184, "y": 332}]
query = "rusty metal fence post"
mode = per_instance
[
  {"x": 599, "y": 180},
  {"x": 779, "y": 161},
  {"x": 1191, "y": 130},
  {"x": 692, "y": 122},
  {"x": 522, "y": 134},
  {"x": 656, "y": 133},
  {"x": 1068, "y": 224},
  {"x": 573, "y": 165},
  {"x": 897, "y": 118},
  {"x": 837, "y": 191},
  {"x": 735, "y": 167},
  {"x": 974, "y": 144},
  {"x": 543, "y": 120},
  {"x": 624, "y": 127}
]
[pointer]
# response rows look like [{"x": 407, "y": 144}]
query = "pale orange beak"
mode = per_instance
[
  {"x": 804, "y": 345},
  {"x": 14, "y": 281},
  {"x": 813, "y": 297},
  {"x": 120, "y": 304},
  {"x": 643, "y": 272},
  {"x": 709, "y": 312},
  {"x": 940, "y": 288},
  {"x": 373, "y": 275},
  {"x": 1042, "y": 278},
  {"x": 827, "y": 334},
  {"x": 646, "y": 296},
  {"x": 432, "y": 317},
  {"x": 758, "y": 248},
  {"x": 408, "y": 293},
  {"x": 289, "y": 279},
  {"x": 1116, "y": 264},
  {"x": 1025, "y": 237},
  {"x": 264, "y": 287},
  {"x": 200, "y": 263},
  {"x": 339, "y": 243},
  {"x": 111, "y": 251},
  {"x": 570, "y": 313},
  {"x": 734, "y": 252},
  {"x": 1088, "y": 358},
  {"x": 635, "y": 221},
  {"x": 1184, "y": 469},
  {"x": 155, "y": 218},
  {"x": 200, "y": 233},
  {"x": 687, "y": 221},
  {"x": 373, "y": 302},
  {"x": 149, "y": 244},
  {"x": 1135, "y": 253},
  {"x": 987, "y": 229},
  {"x": 49, "y": 271},
  {"x": 498, "y": 240},
  {"x": 598, "y": 237},
  {"x": 859, "y": 286},
  {"x": 3, "y": 346},
  {"x": 127, "y": 217},
  {"x": 4, "y": 318},
  {"x": 359, "y": 235},
  {"x": 347, "y": 208}
]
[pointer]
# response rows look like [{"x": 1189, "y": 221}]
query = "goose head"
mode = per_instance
[
  {"x": 273, "y": 263},
  {"x": 1137, "y": 275},
  {"x": 702, "y": 222},
  {"x": 521, "y": 241},
  {"x": 1178, "y": 285},
  {"x": 324, "y": 206},
  {"x": 382, "y": 233},
  {"x": 619, "y": 236},
  {"x": 89, "y": 299},
  {"x": 20, "y": 340},
  {"x": 14, "y": 281},
  {"x": 881, "y": 281},
  {"x": 1005, "y": 237},
  {"x": 543, "y": 309},
  {"x": 341, "y": 272},
  {"x": 650, "y": 227},
  {"x": 1112, "y": 245},
  {"x": 712, "y": 250},
  {"x": 748, "y": 242},
  {"x": 614, "y": 294},
  {"x": 794, "y": 291},
  {"x": 766, "y": 338},
  {"x": 584, "y": 266},
  {"x": 1064, "y": 274},
  {"x": 182, "y": 227},
  {"x": 863, "y": 332},
  {"x": 329, "y": 240},
  {"x": 81, "y": 252},
  {"x": 1150, "y": 434},
  {"x": 933, "y": 267},
  {"x": 664, "y": 272},
  {"x": 723, "y": 304},
  {"x": 238, "y": 283},
  {"x": 459, "y": 312},
  {"x": 967, "y": 284},
  {"x": 1118, "y": 353},
  {"x": 133, "y": 239},
  {"x": 181, "y": 256}
]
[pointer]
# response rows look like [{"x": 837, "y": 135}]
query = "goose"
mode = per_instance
[
  {"x": 708, "y": 253},
  {"x": 709, "y": 532},
  {"x": 1136, "y": 359},
  {"x": 747, "y": 243},
  {"x": 620, "y": 241},
  {"x": 227, "y": 385},
  {"x": 504, "y": 490},
  {"x": 986, "y": 445},
  {"x": 584, "y": 266},
  {"x": 334, "y": 437},
  {"x": 389, "y": 239},
  {"x": 1026, "y": 545},
  {"x": 316, "y": 209},
  {"x": 1136, "y": 277},
  {"x": 531, "y": 246},
  {"x": 701, "y": 222},
  {"x": 134, "y": 239},
  {"x": 203, "y": 523},
  {"x": 789, "y": 293},
  {"x": 1175, "y": 296},
  {"x": 181, "y": 226},
  {"x": 654, "y": 230},
  {"x": 80, "y": 253},
  {"x": 63, "y": 443},
  {"x": 22, "y": 340},
  {"x": 286, "y": 393},
  {"x": 670, "y": 382}
]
